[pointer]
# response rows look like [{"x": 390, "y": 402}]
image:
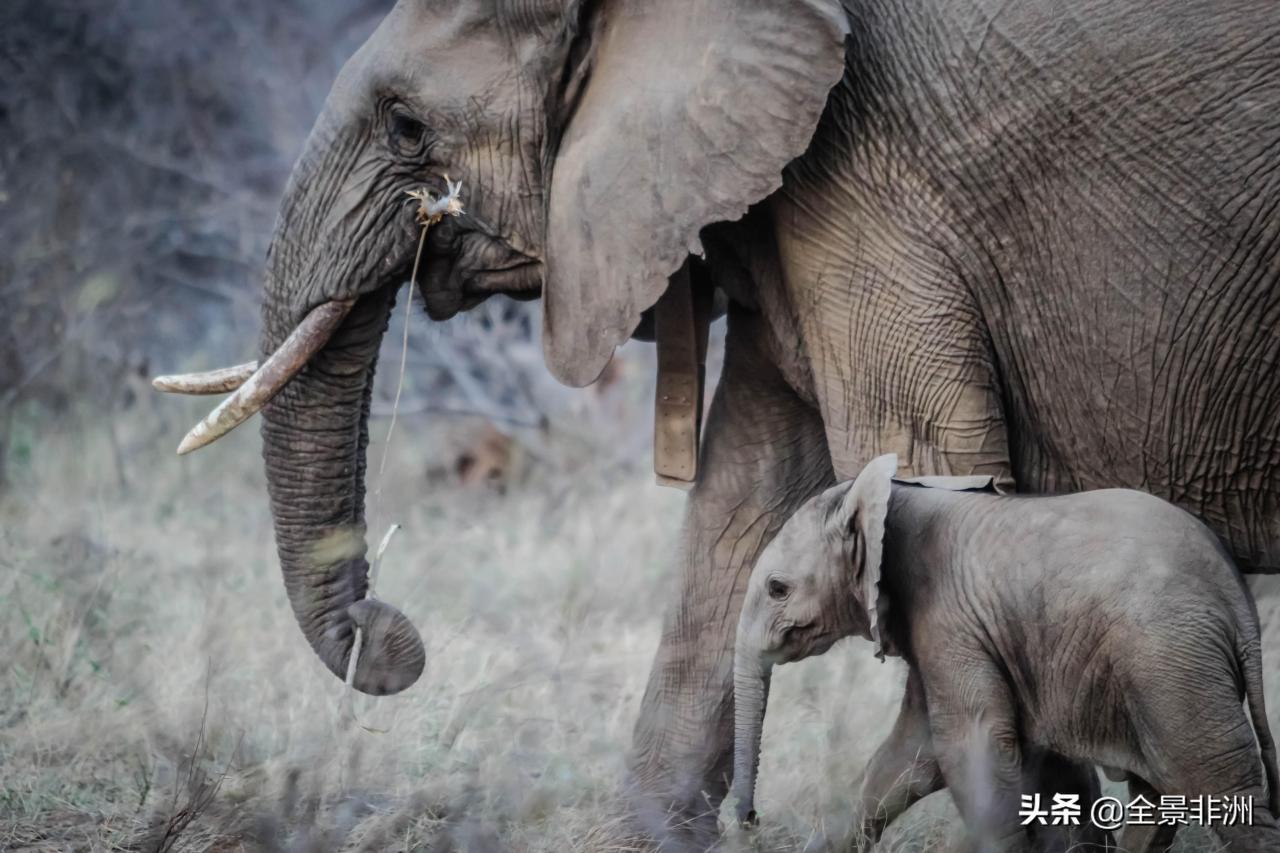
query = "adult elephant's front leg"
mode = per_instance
[{"x": 764, "y": 453}]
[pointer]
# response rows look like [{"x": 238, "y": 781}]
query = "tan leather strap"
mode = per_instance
[{"x": 681, "y": 319}]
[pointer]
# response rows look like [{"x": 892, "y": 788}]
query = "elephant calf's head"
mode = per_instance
[{"x": 817, "y": 582}]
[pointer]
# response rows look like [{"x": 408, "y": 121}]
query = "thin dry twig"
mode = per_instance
[
  {"x": 430, "y": 211},
  {"x": 201, "y": 791}
]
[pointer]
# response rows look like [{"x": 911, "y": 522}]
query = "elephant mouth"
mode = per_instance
[
  {"x": 800, "y": 642},
  {"x": 465, "y": 262},
  {"x": 822, "y": 643}
]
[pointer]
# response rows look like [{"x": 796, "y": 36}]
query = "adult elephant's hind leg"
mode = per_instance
[{"x": 764, "y": 454}]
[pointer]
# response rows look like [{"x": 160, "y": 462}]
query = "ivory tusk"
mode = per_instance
[
  {"x": 221, "y": 381},
  {"x": 256, "y": 391}
]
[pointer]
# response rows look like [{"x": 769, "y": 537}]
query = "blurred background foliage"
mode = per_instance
[{"x": 143, "y": 147}]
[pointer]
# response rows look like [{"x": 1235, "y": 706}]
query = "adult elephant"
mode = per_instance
[{"x": 1022, "y": 239}]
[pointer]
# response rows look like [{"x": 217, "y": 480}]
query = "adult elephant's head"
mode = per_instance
[{"x": 593, "y": 139}]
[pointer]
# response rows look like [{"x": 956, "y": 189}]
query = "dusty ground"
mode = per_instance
[{"x": 157, "y": 695}]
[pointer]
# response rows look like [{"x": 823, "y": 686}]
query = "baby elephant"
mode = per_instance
[{"x": 1103, "y": 628}]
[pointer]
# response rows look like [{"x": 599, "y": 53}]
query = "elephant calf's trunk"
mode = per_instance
[{"x": 750, "y": 693}]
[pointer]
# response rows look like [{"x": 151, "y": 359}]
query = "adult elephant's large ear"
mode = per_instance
[
  {"x": 690, "y": 111},
  {"x": 857, "y": 522}
]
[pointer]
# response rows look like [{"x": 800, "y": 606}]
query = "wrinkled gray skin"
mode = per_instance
[
  {"x": 1029, "y": 239},
  {"x": 1106, "y": 627}
]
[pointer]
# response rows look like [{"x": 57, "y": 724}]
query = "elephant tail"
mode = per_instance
[{"x": 1250, "y": 655}]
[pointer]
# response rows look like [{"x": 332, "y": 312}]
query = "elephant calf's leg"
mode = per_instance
[
  {"x": 1050, "y": 774},
  {"x": 764, "y": 454},
  {"x": 903, "y": 770},
  {"x": 975, "y": 733},
  {"x": 1146, "y": 837}
]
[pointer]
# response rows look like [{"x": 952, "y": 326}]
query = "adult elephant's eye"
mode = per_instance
[
  {"x": 778, "y": 590},
  {"x": 407, "y": 133}
]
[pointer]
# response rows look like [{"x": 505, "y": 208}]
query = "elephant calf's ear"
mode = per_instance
[
  {"x": 861, "y": 516},
  {"x": 689, "y": 113}
]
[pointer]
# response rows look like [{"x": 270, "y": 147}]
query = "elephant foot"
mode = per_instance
[
  {"x": 681, "y": 759},
  {"x": 673, "y": 821}
]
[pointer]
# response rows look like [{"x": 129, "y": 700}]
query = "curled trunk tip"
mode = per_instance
[{"x": 392, "y": 655}]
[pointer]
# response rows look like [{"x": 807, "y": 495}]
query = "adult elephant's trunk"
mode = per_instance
[
  {"x": 750, "y": 693},
  {"x": 315, "y": 435}
]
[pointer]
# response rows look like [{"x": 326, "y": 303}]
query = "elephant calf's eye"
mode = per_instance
[{"x": 778, "y": 590}]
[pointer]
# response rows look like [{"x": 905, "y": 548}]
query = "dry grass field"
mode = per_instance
[
  {"x": 156, "y": 694},
  {"x": 159, "y": 696}
]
